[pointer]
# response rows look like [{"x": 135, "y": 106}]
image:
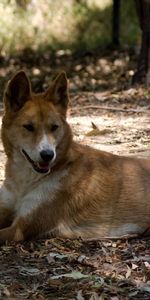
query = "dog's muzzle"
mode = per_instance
[{"x": 42, "y": 167}]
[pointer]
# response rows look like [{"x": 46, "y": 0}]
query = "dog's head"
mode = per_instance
[{"x": 35, "y": 124}]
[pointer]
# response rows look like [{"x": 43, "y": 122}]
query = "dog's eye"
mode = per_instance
[
  {"x": 29, "y": 127},
  {"x": 54, "y": 127}
]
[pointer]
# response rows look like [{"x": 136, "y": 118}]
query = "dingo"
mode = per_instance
[{"x": 54, "y": 185}]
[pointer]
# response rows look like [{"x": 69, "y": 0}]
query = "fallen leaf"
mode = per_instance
[
  {"x": 55, "y": 282},
  {"x": 94, "y": 296},
  {"x": 26, "y": 271},
  {"x": 128, "y": 274},
  {"x": 81, "y": 258},
  {"x": 96, "y": 131},
  {"x": 6, "y": 292},
  {"x": 134, "y": 293},
  {"x": 93, "y": 132},
  {"x": 146, "y": 289},
  {"x": 94, "y": 126},
  {"x": 79, "y": 295},
  {"x": 147, "y": 264},
  {"x": 50, "y": 259},
  {"x": 98, "y": 282},
  {"x": 57, "y": 255},
  {"x": 134, "y": 266},
  {"x": 73, "y": 274}
]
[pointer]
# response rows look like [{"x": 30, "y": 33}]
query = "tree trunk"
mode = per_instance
[
  {"x": 116, "y": 23},
  {"x": 142, "y": 75}
]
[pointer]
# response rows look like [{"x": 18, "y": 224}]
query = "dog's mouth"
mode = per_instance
[{"x": 40, "y": 167}]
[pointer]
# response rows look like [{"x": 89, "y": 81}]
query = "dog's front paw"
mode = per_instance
[{"x": 10, "y": 234}]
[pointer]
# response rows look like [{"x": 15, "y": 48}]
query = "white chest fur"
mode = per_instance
[{"x": 26, "y": 196}]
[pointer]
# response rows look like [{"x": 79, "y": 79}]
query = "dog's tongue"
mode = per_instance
[{"x": 43, "y": 165}]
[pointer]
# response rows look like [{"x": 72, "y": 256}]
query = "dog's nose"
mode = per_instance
[{"x": 47, "y": 155}]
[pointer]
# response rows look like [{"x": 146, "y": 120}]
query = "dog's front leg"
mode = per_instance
[
  {"x": 6, "y": 204},
  {"x": 15, "y": 232}
]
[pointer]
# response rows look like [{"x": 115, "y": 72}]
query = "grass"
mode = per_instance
[{"x": 82, "y": 24}]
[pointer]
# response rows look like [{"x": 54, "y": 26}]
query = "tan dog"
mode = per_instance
[{"x": 54, "y": 185}]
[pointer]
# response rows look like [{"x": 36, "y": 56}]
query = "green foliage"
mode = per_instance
[
  {"x": 14, "y": 27},
  {"x": 93, "y": 25},
  {"x": 130, "y": 30},
  {"x": 82, "y": 24}
]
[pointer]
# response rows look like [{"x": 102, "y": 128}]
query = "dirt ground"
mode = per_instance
[{"x": 106, "y": 113}]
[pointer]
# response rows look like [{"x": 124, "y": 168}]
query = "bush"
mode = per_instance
[{"x": 62, "y": 24}]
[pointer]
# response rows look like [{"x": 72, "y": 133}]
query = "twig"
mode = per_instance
[{"x": 110, "y": 108}]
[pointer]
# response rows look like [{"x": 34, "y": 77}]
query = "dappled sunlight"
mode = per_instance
[
  {"x": 98, "y": 76},
  {"x": 101, "y": 4},
  {"x": 42, "y": 24},
  {"x": 120, "y": 134}
]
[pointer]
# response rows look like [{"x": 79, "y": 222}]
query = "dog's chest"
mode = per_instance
[{"x": 27, "y": 196}]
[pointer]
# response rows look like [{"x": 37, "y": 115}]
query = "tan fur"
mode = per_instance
[{"x": 87, "y": 193}]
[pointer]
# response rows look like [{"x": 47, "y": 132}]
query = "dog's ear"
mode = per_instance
[
  {"x": 17, "y": 92},
  {"x": 57, "y": 93}
]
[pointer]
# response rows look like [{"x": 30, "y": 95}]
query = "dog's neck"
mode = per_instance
[{"x": 19, "y": 171}]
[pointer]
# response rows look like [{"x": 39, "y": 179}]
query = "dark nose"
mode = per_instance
[{"x": 47, "y": 155}]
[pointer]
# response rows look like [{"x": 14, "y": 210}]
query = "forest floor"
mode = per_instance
[{"x": 107, "y": 113}]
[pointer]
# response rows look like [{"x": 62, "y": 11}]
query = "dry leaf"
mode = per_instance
[
  {"x": 73, "y": 274},
  {"x": 79, "y": 296},
  {"x": 134, "y": 266},
  {"x": 93, "y": 132},
  {"x": 96, "y": 131},
  {"x": 94, "y": 126},
  {"x": 147, "y": 265},
  {"x": 94, "y": 296},
  {"x": 128, "y": 274}
]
